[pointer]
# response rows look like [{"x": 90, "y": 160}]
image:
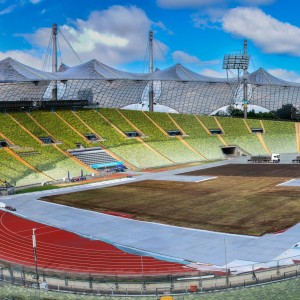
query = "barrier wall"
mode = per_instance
[{"x": 140, "y": 285}]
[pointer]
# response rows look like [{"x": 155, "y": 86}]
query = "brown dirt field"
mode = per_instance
[
  {"x": 251, "y": 169},
  {"x": 231, "y": 203}
]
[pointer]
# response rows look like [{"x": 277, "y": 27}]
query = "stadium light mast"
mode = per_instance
[
  {"x": 239, "y": 62},
  {"x": 245, "y": 83},
  {"x": 151, "y": 92},
  {"x": 54, "y": 59}
]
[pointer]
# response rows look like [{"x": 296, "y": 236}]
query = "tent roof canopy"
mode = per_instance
[{"x": 14, "y": 71}]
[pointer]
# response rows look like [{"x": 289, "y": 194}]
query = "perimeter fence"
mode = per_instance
[{"x": 193, "y": 282}]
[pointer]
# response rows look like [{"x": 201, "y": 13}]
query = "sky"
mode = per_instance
[{"x": 194, "y": 33}]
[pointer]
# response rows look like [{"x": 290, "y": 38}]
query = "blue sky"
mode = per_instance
[{"x": 195, "y": 33}]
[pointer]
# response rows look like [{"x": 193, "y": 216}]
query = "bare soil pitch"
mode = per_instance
[
  {"x": 251, "y": 170},
  {"x": 244, "y": 199}
]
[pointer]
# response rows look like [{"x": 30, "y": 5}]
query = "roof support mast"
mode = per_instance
[
  {"x": 54, "y": 59},
  {"x": 245, "y": 82},
  {"x": 151, "y": 92}
]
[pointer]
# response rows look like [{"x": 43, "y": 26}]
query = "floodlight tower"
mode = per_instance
[
  {"x": 151, "y": 92},
  {"x": 54, "y": 59},
  {"x": 245, "y": 82},
  {"x": 239, "y": 62}
]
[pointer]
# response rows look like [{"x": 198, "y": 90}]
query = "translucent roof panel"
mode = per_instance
[
  {"x": 262, "y": 77},
  {"x": 181, "y": 73},
  {"x": 196, "y": 97},
  {"x": 94, "y": 69},
  {"x": 11, "y": 70},
  {"x": 176, "y": 87}
]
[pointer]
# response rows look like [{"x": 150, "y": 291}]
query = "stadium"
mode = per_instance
[{"x": 169, "y": 203}]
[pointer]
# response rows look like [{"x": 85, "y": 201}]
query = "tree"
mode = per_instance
[
  {"x": 261, "y": 115},
  {"x": 285, "y": 111},
  {"x": 234, "y": 112}
]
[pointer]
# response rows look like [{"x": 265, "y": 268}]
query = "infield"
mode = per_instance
[{"x": 244, "y": 199}]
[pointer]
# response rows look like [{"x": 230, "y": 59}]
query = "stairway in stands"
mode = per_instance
[{"x": 91, "y": 156}]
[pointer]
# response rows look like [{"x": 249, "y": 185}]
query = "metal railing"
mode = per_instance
[{"x": 194, "y": 282}]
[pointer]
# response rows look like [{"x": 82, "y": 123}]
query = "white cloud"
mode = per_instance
[
  {"x": 256, "y": 2},
  {"x": 285, "y": 74},
  {"x": 117, "y": 35},
  {"x": 7, "y": 10},
  {"x": 162, "y": 26},
  {"x": 179, "y": 4},
  {"x": 14, "y": 4},
  {"x": 87, "y": 40},
  {"x": 185, "y": 58},
  {"x": 209, "y": 18},
  {"x": 213, "y": 73},
  {"x": 175, "y": 4},
  {"x": 265, "y": 31},
  {"x": 26, "y": 57}
]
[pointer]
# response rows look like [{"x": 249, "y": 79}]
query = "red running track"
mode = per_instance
[{"x": 65, "y": 251}]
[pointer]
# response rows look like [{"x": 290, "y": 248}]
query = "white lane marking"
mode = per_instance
[{"x": 286, "y": 183}]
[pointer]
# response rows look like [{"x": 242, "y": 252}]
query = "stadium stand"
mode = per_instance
[
  {"x": 140, "y": 120},
  {"x": 72, "y": 119},
  {"x": 117, "y": 119},
  {"x": 141, "y": 156},
  {"x": 236, "y": 133},
  {"x": 103, "y": 129},
  {"x": 46, "y": 159},
  {"x": 45, "y": 140},
  {"x": 254, "y": 123},
  {"x": 209, "y": 122},
  {"x": 199, "y": 138},
  {"x": 129, "y": 150},
  {"x": 162, "y": 120},
  {"x": 16, "y": 173},
  {"x": 93, "y": 156},
  {"x": 59, "y": 129},
  {"x": 158, "y": 139},
  {"x": 280, "y": 136},
  {"x": 182, "y": 152},
  {"x": 176, "y": 151},
  {"x": 29, "y": 124}
]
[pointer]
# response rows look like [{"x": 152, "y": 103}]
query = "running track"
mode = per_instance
[{"x": 65, "y": 251}]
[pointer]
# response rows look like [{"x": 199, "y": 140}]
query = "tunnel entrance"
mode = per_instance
[{"x": 231, "y": 151}]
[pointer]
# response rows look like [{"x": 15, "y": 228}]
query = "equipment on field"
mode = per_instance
[{"x": 274, "y": 158}]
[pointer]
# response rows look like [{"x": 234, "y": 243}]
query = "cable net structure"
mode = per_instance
[{"x": 176, "y": 87}]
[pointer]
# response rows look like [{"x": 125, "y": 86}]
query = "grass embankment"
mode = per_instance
[{"x": 37, "y": 189}]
